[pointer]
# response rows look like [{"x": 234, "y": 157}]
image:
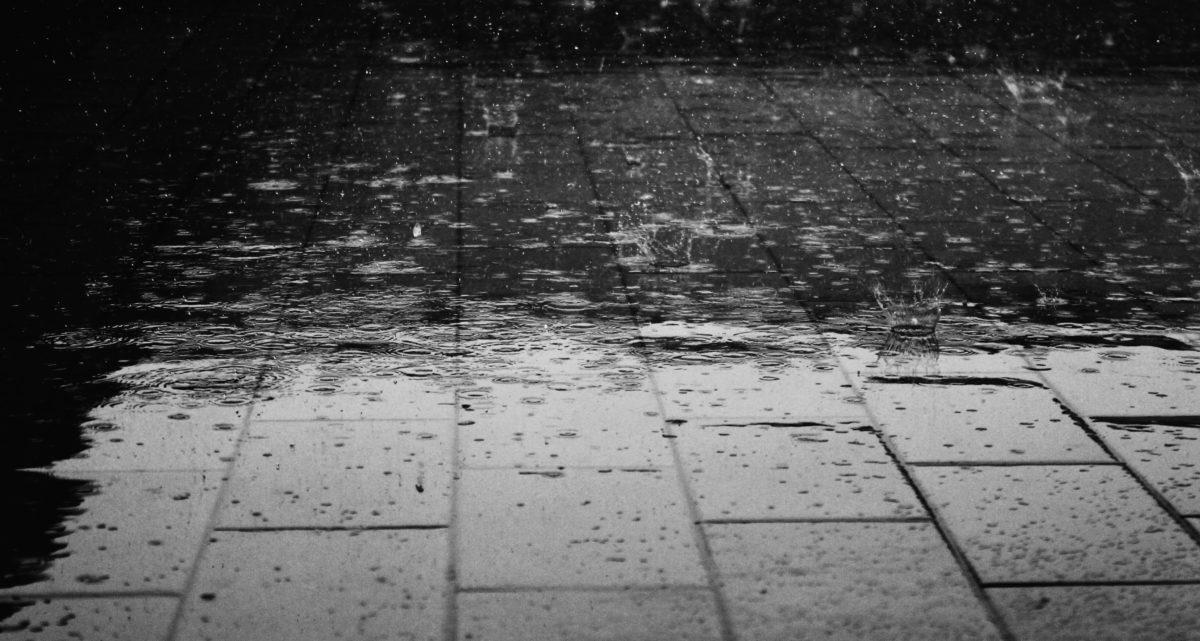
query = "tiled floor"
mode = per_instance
[{"x": 386, "y": 341}]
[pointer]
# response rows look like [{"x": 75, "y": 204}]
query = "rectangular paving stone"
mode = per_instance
[
  {"x": 578, "y": 527},
  {"x": 783, "y": 390},
  {"x": 1101, "y": 612},
  {"x": 93, "y": 619},
  {"x": 316, "y": 395},
  {"x": 825, "y": 469},
  {"x": 1125, "y": 381},
  {"x": 846, "y": 581},
  {"x": 978, "y": 419},
  {"x": 129, "y": 437},
  {"x": 136, "y": 532},
  {"x": 341, "y": 474},
  {"x": 576, "y": 421},
  {"x": 1168, "y": 457},
  {"x": 304, "y": 585},
  {"x": 680, "y": 615},
  {"x": 1059, "y": 523}
]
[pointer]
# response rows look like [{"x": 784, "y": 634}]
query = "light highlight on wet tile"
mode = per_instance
[
  {"x": 576, "y": 527},
  {"x": 834, "y": 469},
  {"x": 341, "y": 474},
  {"x": 1051, "y": 523},
  {"x": 846, "y": 581},
  {"x": 319, "y": 585},
  {"x": 675, "y": 615}
]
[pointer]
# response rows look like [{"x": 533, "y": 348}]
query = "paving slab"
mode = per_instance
[
  {"x": 781, "y": 390},
  {"x": 576, "y": 421},
  {"x": 1059, "y": 523},
  {"x": 319, "y": 585},
  {"x": 1167, "y": 456},
  {"x": 341, "y": 474},
  {"x": 844, "y": 581},
  {"x": 671, "y": 615},
  {"x": 1125, "y": 381},
  {"x": 1101, "y": 612},
  {"x": 136, "y": 532},
  {"x": 94, "y": 619},
  {"x": 825, "y": 469},
  {"x": 978, "y": 419},
  {"x": 577, "y": 527}
]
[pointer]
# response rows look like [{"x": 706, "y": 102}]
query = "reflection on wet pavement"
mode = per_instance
[{"x": 454, "y": 332}]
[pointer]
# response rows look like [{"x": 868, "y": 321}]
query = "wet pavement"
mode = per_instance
[{"x": 334, "y": 322}]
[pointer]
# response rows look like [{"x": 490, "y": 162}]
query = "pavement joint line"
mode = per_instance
[
  {"x": 1013, "y": 463},
  {"x": 699, "y": 536},
  {"x": 973, "y": 579},
  {"x": 582, "y": 587},
  {"x": 817, "y": 520},
  {"x": 830, "y": 151},
  {"x": 266, "y": 529},
  {"x": 602, "y": 213},
  {"x": 273, "y": 60},
  {"x": 1139, "y": 296},
  {"x": 1087, "y": 158},
  {"x": 451, "y": 584},
  {"x": 726, "y": 186},
  {"x": 1004, "y": 585}
]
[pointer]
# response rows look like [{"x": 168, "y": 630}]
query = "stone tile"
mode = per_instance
[
  {"x": 1051, "y": 523},
  {"x": 1126, "y": 381},
  {"x": 1101, "y": 612},
  {"x": 779, "y": 389},
  {"x": 829, "y": 469},
  {"x": 135, "y": 532},
  {"x": 580, "y": 421},
  {"x": 1166, "y": 456},
  {"x": 578, "y": 527},
  {"x": 131, "y": 618},
  {"x": 319, "y": 585},
  {"x": 852, "y": 581},
  {"x": 978, "y": 419},
  {"x": 317, "y": 395},
  {"x": 341, "y": 474},
  {"x": 681, "y": 615},
  {"x": 130, "y": 438}
]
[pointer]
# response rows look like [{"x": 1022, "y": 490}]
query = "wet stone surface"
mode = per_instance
[
  {"x": 611, "y": 319},
  {"x": 628, "y": 614},
  {"x": 783, "y": 580},
  {"x": 1100, "y": 612},
  {"x": 1051, "y": 523}
]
